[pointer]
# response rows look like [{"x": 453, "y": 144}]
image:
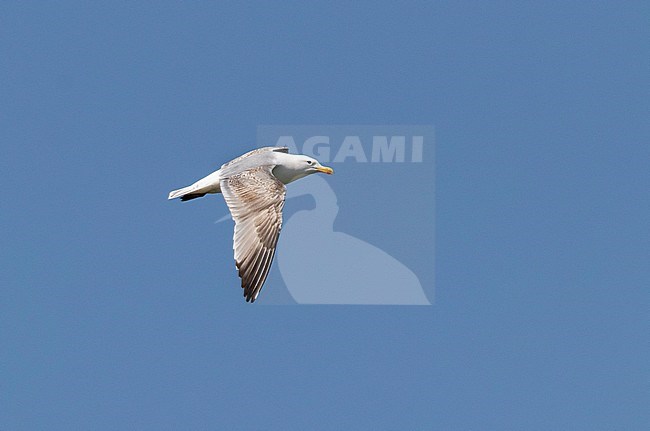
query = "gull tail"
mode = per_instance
[
  {"x": 186, "y": 193},
  {"x": 209, "y": 184}
]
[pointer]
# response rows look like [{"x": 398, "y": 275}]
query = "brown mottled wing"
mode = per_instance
[{"x": 255, "y": 199}]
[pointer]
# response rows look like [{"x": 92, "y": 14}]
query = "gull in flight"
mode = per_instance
[{"x": 253, "y": 186}]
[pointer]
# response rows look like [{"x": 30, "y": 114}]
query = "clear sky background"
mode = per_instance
[{"x": 115, "y": 308}]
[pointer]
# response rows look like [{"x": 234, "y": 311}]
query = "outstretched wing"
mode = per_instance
[
  {"x": 255, "y": 199},
  {"x": 255, "y": 152}
]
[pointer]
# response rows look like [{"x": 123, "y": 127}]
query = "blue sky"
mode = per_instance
[{"x": 120, "y": 310}]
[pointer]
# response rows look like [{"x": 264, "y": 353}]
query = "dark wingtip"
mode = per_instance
[{"x": 192, "y": 196}]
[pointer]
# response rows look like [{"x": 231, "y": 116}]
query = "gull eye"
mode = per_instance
[{"x": 309, "y": 162}]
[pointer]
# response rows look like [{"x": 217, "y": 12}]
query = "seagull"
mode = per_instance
[{"x": 253, "y": 186}]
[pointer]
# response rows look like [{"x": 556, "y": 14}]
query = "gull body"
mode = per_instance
[{"x": 253, "y": 186}]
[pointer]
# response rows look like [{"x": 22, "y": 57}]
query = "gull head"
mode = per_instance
[
  {"x": 296, "y": 166},
  {"x": 311, "y": 166}
]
